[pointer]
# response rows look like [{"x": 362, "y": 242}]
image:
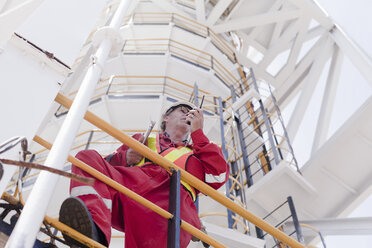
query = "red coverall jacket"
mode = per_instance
[{"x": 144, "y": 228}]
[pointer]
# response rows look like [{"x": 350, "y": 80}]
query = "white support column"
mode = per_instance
[
  {"x": 24, "y": 233},
  {"x": 329, "y": 96},
  {"x": 308, "y": 90}
]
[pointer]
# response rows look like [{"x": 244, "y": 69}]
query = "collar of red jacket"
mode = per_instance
[{"x": 166, "y": 142}]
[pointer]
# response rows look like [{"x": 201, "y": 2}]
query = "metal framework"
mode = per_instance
[
  {"x": 287, "y": 43},
  {"x": 276, "y": 34}
]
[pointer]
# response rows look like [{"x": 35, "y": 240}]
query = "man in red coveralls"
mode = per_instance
[{"x": 93, "y": 210}]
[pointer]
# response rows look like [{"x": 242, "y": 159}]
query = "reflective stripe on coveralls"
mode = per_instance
[
  {"x": 177, "y": 155},
  {"x": 209, "y": 178},
  {"x": 89, "y": 190}
]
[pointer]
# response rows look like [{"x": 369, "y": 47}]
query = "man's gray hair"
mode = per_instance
[{"x": 171, "y": 108}]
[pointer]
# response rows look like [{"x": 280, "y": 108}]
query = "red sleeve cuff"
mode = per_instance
[{"x": 198, "y": 138}]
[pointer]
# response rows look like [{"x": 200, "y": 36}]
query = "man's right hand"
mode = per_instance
[{"x": 132, "y": 156}]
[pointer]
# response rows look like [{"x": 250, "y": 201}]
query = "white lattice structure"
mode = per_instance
[{"x": 159, "y": 51}]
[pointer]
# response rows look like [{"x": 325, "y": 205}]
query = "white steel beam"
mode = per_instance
[
  {"x": 236, "y": 8},
  {"x": 217, "y": 11},
  {"x": 283, "y": 42},
  {"x": 257, "y": 20},
  {"x": 314, "y": 11},
  {"x": 339, "y": 181},
  {"x": 259, "y": 71},
  {"x": 344, "y": 226},
  {"x": 250, "y": 42},
  {"x": 274, "y": 7},
  {"x": 297, "y": 45},
  {"x": 276, "y": 33},
  {"x": 282, "y": 87},
  {"x": 329, "y": 96},
  {"x": 200, "y": 11},
  {"x": 288, "y": 91},
  {"x": 312, "y": 33},
  {"x": 308, "y": 89},
  {"x": 360, "y": 60},
  {"x": 28, "y": 225}
]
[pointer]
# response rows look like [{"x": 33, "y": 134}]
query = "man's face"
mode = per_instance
[{"x": 177, "y": 119}]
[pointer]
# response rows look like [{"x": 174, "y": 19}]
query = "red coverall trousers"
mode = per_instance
[{"x": 143, "y": 228}]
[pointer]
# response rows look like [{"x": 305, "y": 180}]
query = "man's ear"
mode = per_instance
[{"x": 165, "y": 118}]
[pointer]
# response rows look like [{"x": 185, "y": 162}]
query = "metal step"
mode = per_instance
[{"x": 229, "y": 237}]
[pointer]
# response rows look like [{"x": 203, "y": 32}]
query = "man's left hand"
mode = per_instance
[{"x": 195, "y": 118}]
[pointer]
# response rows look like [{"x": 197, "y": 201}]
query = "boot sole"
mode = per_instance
[{"x": 75, "y": 214}]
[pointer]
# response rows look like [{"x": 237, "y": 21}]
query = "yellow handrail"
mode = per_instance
[
  {"x": 98, "y": 175},
  {"x": 193, "y": 181},
  {"x": 100, "y": 131},
  {"x": 152, "y": 84},
  {"x": 213, "y": 35},
  {"x": 188, "y": 24},
  {"x": 220, "y": 69}
]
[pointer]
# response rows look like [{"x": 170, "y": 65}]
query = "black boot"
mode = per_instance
[{"x": 75, "y": 214}]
